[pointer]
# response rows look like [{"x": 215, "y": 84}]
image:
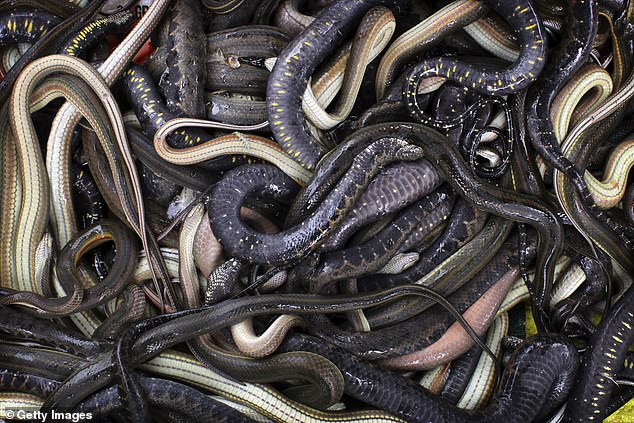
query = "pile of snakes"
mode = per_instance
[{"x": 316, "y": 211}]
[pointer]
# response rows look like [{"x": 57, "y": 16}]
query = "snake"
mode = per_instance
[
  {"x": 230, "y": 146},
  {"x": 235, "y": 108},
  {"x": 72, "y": 279},
  {"x": 597, "y": 277},
  {"x": 573, "y": 52},
  {"x": 406, "y": 399},
  {"x": 192, "y": 177},
  {"x": 242, "y": 333},
  {"x": 150, "y": 109},
  {"x": 110, "y": 70},
  {"x": 342, "y": 213},
  {"x": 55, "y": 365},
  {"x": 374, "y": 33},
  {"x": 527, "y": 28},
  {"x": 25, "y": 25},
  {"x": 505, "y": 203},
  {"x": 289, "y": 245},
  {"x": 63, "y": 10},
  {"x": 613, "y": 240},
  {"x": 193, "y": 145},
  {"x": 91, "y": 204},
  {"x": 289, "y": 77},
  {"x": 394, "y": 187},
  {"x": 19, "y": 381},
  {"x": 482, "y": 382},
  {"x": 183, "y": 80},
  {"x": 167, "y": 399},
  {"x": 33, "y": 214},
  {"x": 131, "y": 310},
  {"x": 193, "y": 323},
  {"x": 445, "y": 21},
  {"x": 52, "y": 41},
  {"x": 44, "y": 331},
  {"x": 288, "y": 16},
  {"x": 403, "y": 334},
  {"x": 606, "y": 193},
  {"x": 494, "y": 37},
  {"x": 591, "y": 80},
  {"x": 453, "y": 342},
  {"x": 460, "y": 372},
  {"x": 161, "y": 395},
  {"x": 325, "y": 380},
  {"x": 365, "y": 258},
  {"x": 62, "y": 217},
  {"x": 605, "y": 354},
  {"x": 95, "y": 31},
  {"x": 466, "y": 223},
  {"x": 236, "y": 57}
]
